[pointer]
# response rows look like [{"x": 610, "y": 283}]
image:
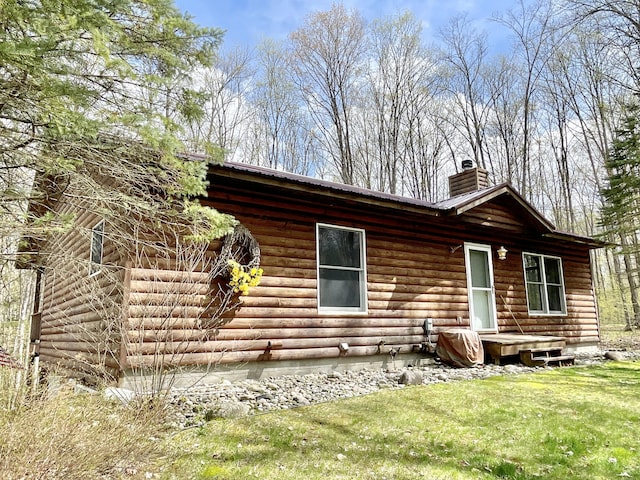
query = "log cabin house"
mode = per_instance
[{"x": 351, "y": 278}]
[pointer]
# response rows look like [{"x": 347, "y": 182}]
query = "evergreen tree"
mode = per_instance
[
  {"x": 621, "y": 210},
  {"x": 92, "y": 93},
  {"x": 76, "y": 71},
  {"x": 620, "y": 213}
]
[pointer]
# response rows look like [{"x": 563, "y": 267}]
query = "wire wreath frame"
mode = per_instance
[{"x": 239, "y": 246}]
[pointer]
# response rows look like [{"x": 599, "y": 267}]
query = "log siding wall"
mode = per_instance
[
  {"x": 81, "y": 313},
  {"x": 414, "y": 271}
]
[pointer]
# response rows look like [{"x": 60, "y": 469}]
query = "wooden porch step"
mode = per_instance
[
  {"x": 499, "y": 346},
  {"x": 534, "y": 357},
  {"x": 550, "y": 350},
  {"x": 560, "y": 360}
]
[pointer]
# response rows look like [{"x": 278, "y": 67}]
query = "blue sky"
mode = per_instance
[{"x": 247, "y": 22}]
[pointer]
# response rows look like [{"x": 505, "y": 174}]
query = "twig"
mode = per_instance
[{"x": 512, "y": 315}]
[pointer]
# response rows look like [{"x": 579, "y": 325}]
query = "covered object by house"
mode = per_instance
[{"x": 352, "y": 278}]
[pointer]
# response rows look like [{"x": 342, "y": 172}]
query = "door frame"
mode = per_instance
[{"x": 492, "y": 290}]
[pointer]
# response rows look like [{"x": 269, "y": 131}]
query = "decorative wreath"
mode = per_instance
[
  {"x": 235, "y": 270},
  {"x": 241, "y": 247}
]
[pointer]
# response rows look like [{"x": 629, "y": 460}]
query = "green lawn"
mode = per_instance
[
  {"x": 567, "y": 423},
  {"x": 581, "y": 423}
]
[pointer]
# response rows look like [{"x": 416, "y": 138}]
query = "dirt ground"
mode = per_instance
[{"x": 613, "y": 337}]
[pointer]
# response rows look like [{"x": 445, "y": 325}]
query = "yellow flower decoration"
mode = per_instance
[{"x": 241, "y": 280}]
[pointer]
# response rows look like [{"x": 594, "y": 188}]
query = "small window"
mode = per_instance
[
  {"x": 97, "y": 241},
  {"x": 342, "y": 279},
  {"x": 545, "y": 284}
]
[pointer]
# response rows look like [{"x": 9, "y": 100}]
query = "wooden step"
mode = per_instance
[
  {"x": 553, "y": 357},
  {"x": 498, "y": 346},
  {"x": 550, "y": 351},
  {"x": 560, "y": 360}
]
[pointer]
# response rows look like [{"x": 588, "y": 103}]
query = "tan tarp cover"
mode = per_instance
[{"x": 460, "y": 347}]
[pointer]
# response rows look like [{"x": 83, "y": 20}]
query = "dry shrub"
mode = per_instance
[
  {"x": 8, "y": 389},
  {"x": 78, "y": 437}
]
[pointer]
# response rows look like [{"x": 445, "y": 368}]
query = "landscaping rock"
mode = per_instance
[
  {"x": 230, "y": 410},
  {"x": 615, "y": 356},
  {"x": 123, "y": 395},
  {"x": 410, "y": 377},
  {"x": 196, "y": 404}
]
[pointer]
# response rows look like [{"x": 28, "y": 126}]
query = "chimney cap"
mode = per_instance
[{"x": 467, "y": 164}]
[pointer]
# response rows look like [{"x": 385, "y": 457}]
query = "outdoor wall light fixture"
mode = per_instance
[
  {"x": 343, "y": 346},
  {"x": 453, "y": 249},
  {"x": 502, "y": 253}
]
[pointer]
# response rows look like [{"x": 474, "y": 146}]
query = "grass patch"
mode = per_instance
[
  {"x": 78, "y": 437},
  {"x": 570, "y": 423}
]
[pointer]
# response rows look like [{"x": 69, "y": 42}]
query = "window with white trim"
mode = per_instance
[
  {"x": 342, "y": 279},
  {"x": 545, "y": 284},
  {"x": 97, "y": 244}
]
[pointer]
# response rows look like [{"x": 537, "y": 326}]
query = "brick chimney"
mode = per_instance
[{"x": 470, "y": 179}]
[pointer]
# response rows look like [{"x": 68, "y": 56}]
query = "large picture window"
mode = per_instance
[
  {"x": 97, "y": 242},
  {"x": 545, "y": 284},
  {"x": 342, "y": 279}
]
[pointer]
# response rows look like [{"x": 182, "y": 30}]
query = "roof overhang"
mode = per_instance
[
  {"x": 452, "y": 207},
  {"x": 319, "y": 189},
  {"x": 466, "y": 202},
  {"x": 577, "y": 239},
  {"x": 303, "y": 184}
]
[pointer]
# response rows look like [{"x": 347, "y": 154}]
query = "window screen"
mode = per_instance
[
  {"x": 545, "y": 284},
  {"x": 341, "y": 269},
  {"x": 97, "y": 241}
]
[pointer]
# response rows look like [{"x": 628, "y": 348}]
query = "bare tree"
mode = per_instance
[
  {"x": 425, "y": 147},
  {"x": 556, "y": 95},
  {"x": 465, "y": 55},
  {"x": 280, "y": 127},
  {"x": 503, "y": 123},
  {"x": 620, "y": 20},
  {"x": 533, "y": 28},
  {"x": 327, "y": 52},
  {"x": 401, "y": 82},
  {"x": 225, "y": 87}
]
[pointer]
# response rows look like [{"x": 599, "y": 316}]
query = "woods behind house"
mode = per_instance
[{"x": 370, "y": 104}]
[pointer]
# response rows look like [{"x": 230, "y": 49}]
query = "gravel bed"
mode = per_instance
[{"x": 198, "y": 404}]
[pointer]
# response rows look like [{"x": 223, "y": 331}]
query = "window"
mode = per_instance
[
  {"x": 545, "y": 284},
  {"x": 97, "y": 240},
  {"x": 342, "y": 280}
]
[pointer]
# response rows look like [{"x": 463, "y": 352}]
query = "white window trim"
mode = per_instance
[
  {"x": 545, "y": 299},
  {"x": 363, "y": 272},
  {"x": 96, "y": 267}
]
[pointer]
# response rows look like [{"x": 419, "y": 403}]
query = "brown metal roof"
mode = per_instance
[
  {"x": 282, "y": 177},
  {"x": 450, "y": 207},
  {"x": 463, "y": 203}
]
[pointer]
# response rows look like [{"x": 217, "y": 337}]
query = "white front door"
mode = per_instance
[{"x": 482, "y": 300}]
